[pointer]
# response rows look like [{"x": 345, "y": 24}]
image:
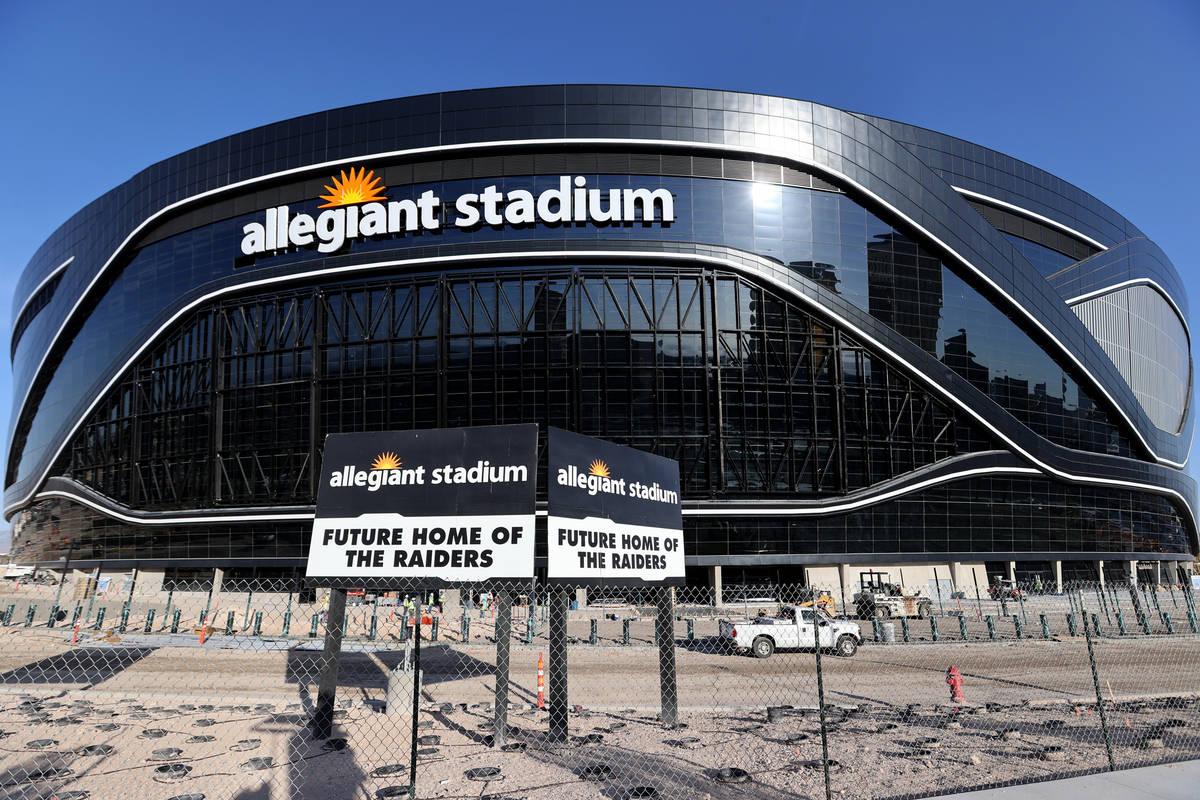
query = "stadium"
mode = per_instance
[{"x": 867, "y": 344}]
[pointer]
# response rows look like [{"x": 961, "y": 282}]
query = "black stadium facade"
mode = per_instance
[{"x": 866, "y": 343}]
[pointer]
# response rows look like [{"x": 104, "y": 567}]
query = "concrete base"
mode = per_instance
[{"x": 399, "y": 691}]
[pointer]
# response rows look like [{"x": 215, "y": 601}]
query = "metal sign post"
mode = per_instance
[
  {"x": 503, "y": 650},
  {"x": 614, "y": 518},
  {"x": 335, "y": 623},
  {"x": 557, "y": 700}
]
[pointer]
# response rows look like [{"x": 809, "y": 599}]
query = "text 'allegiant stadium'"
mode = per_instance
[{"x": 571, "y": 202}]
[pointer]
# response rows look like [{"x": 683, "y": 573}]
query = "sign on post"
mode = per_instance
[
  {"x": 614, "y": 514},
  {"x": 442, "y": 506}
]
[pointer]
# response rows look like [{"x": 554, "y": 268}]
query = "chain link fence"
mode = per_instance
[{"x": 529, "y": 691}]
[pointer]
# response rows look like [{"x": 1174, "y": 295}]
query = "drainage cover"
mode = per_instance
[
  {"x": 427, "y": 751},
  {"x": 928, "y": 741},
  {"x": 204, "y": 723},
  {"x": 389, "y": 769},
  {"x": 482, "y": 773},
  {"x": 591, "y": 738},
  {"x": 513, "y": 747},
  {"x": 77, "y": 794},
  {"x": 748, "y": 729},
  {"x": 152, "y": 733},
  {"x": 731, "y": 775},
  {"x": 166, "y": 754},
  {"x": 42, "y": 744},
  {"x": 1151, "y": 743},
  {"x": 246, "y": 744},
  {"x": 191, "y": 796},
  {"x": 95, "y": 750},
  {"x": 793, "y": 738},
  {"x": 259, "y": 762},
  {"x": 1053, "y": 752},
  {"x": 176, "y": 771},
  {"x": 595, "y": 772},
  {"x": 108, "y": 726},
  {"x": 392, "y": 791},
  {"x": 430, "y": 739},
  {"x": 616, "y": 726},
  {"x": 200, "y": 739},
  {"x": 887, "y": 726}
]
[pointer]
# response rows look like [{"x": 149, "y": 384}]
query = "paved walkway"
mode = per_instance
[{"x": 1179, "y": 781}]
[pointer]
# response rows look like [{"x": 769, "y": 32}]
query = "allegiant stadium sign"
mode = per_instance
[{"x": 355, "y": 207}]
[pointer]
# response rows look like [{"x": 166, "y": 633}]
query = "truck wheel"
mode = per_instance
[
  {"x": 924, "y": 611},
  {"x": 763, "y": 647},
  {"x": 847, "y": 646},
  {"x": 882, "y": 612}
]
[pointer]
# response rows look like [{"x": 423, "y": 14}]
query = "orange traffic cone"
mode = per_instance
[{"x": 541, "y": 686}]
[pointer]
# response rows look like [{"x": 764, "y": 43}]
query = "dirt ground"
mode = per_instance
[{"x": 889, "y": 727}]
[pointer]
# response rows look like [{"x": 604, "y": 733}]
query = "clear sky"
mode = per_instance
[{"x": 1102, "y": 93}]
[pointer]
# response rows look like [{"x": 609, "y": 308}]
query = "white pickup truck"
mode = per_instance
[{"x": 793, "y": 628}]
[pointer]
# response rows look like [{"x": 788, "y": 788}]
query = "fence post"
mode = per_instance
[
  {"x": 75, "y": 617},
  {"x": 529, "y": 627},
  {"x": 100, "y": 618},
  {"x": 1016, "y": 618},
  {"x": 1192, "y": 622},
  {"x": 53, "y": 614},
  {"x": 691, "y": 630},
  {"x": 1072, "y": 627},
  {"x": 991, "y": 626},
  {"x": 287, "y": 622},
  {"x": 904, "y": 628},
  {"x": 821, "y": 705},
  {"x": 1112, "y": 765},
  {"x": 1166, "y": 618},
  {"x": 1121, "y": 623},
  {"x": 433, "y": 629},
  {"x": 593, "y": 634},
  {"x": 175, "y": 621},
  {"x": 1145, "y": 620},
  {"x": 664, "y": 630},
  {"x": 1045, "y": 626},
  {"x": 1096, "y": 624},
  {"x": 149, "y": 621},
  {"x": 625, "y": 632},
  {"x": 312, "y": 632},
  {"x": 374, "y": 627},
  {"x": 8, "y": 614},
  {"x": 466, "y": 627},
  {"x": 229, "y": 624},
  {"x": 933, "y": 628},
  {"x": 258, "y": 623},
  {"x": 876, "y": 630}
]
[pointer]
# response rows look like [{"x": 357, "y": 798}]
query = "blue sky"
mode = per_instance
[{"x": 1101, "y": 93}]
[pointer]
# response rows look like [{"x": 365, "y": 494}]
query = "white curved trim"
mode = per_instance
[
  {"x": 38, "y": 288},
  {"x": 861, "y": 335},
  {"x": 1025, "y": 212},
  {"x": 796, "y": 154},
  {"x": 1092, "y": 295},
  {"x": 729, "y": 511},
  {"x": 724, "y": 511}
]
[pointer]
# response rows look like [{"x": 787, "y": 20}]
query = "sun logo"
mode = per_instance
[
  {"x": 360, "y": 187},
  {"x": 386, "y": 461},
  {"x": 599, "y": 469}
]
